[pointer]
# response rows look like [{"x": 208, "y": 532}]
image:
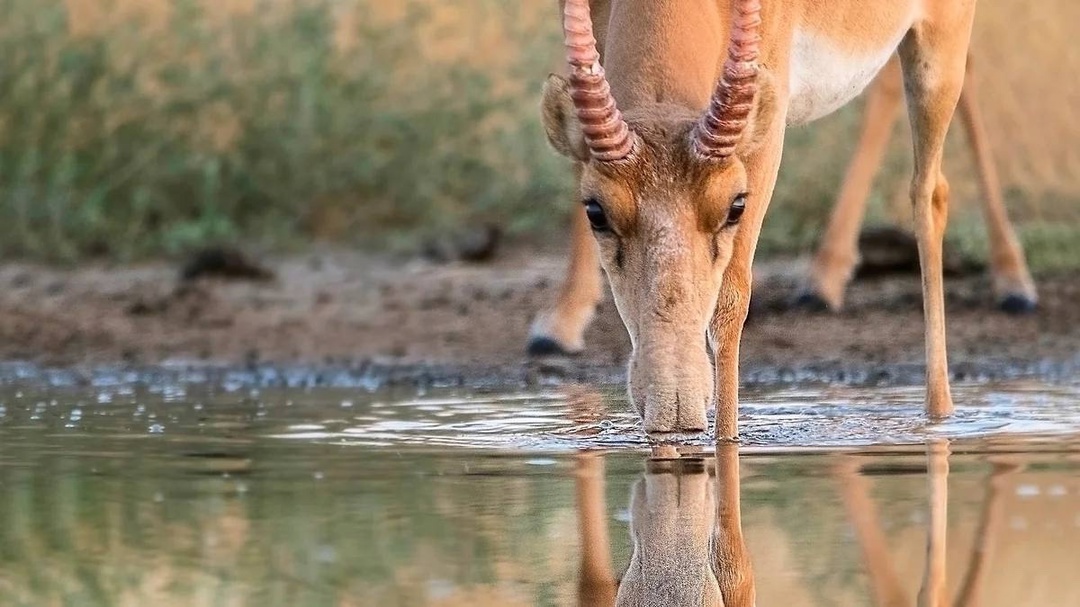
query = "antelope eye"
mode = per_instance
[
  {"x": 597, "y": 218},
  {"x": 738, "y": 206}
]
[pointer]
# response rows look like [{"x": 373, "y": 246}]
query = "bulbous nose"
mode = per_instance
[{"x": 671, "y": 385}]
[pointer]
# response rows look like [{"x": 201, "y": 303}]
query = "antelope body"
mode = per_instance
[{"x": 675, "y": 113}]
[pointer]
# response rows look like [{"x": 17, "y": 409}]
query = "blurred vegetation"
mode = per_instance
[
  {"x": 131, "y": 128},
  {"x": 151, "y": 133}
]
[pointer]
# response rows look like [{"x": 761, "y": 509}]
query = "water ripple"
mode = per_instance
[{"x": 579, "y": 418}]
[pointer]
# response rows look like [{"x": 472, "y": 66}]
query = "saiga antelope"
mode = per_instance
[{"x": 675, "y": 190}]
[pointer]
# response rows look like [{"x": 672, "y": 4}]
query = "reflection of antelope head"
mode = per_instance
[{"x": 688, "y": 547}]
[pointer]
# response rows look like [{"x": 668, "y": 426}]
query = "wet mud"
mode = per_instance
[{"x": 346, "y": 317}]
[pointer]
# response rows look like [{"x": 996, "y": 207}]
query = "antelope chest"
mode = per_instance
[{"x": 824, "y": 77}]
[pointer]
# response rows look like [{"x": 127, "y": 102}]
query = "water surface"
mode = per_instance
[{"x": 179, "y": 493}]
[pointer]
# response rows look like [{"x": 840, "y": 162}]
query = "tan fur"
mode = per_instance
[
  {"x": 836, "y": 258},
  {"x": 681, "y": 280}
]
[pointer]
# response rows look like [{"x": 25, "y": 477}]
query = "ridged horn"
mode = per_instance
[
  {"x": 607, "y": 135},
  {"x": 722, "y": 126}
]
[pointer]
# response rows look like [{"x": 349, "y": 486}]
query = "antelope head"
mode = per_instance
[{"x": 664, "y": 188}]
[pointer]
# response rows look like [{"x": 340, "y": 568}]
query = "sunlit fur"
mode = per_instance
[
  {"x": 665, "y": 253},
  {"x": 678, "y": 276},
  {"x": 838, "y": 252}
]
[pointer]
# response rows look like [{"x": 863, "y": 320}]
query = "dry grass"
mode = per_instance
[{"x": 132, "y": 127}]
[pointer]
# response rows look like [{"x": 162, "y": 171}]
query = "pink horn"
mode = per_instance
[
  {"x": 722, "y": 126},
  {"x": 606, "y": 133}
]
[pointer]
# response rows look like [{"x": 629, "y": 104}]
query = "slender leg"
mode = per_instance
[
  {"x": 726, "y": 333},
  {"x": 1013, "y": 286},
  {"x": 934, "y": 55},
  {"x": 596, "y": 587},
  {"x": 725, "y": 330},
  {"x": 863, "y": 514},
  {"x": 561, "y": 328},
  {"x": 934, "y": 591},
  {"x": 836, "y": 257}
]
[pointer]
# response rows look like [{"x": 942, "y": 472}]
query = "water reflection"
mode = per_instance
[
  {"x": 218, "y": 510},
  {"x": 686, "y": 533},
  {"x": 687, "y": 538},
  {"x": 876, "y": 555}
]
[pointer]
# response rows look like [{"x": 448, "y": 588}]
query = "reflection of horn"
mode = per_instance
[{"x": 596, "y": 586}]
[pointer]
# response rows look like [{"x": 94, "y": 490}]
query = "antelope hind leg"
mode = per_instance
[
  {"x": 838, "y": 253},
  {"x": 560, "y": 329},
  {"x": 1013, "y": 286}
]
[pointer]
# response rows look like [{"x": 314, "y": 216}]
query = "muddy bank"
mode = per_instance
[{"x": 373, "y": 321}]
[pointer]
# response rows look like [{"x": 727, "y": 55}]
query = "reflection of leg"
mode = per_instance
[
  {"x": 863, "y": 514},
  {"x": 596, "y": 586},
  {"x": 585, "y": 403},
  {"x": 1012, "y": 282},
  {"x": 561, "y": 328},
  {"x": 985, "y": 536},
  {"x": 734, "y": 571},
  {"x": 834, "y": 262},
  {"x": 934, "y": 592}
]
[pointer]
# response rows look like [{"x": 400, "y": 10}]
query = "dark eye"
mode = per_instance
[
  {"x": 738, "y": 206},
  {"x": 597, "y": 218}
]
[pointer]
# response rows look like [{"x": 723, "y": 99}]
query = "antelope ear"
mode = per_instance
[{"x": 560, "y": 121}]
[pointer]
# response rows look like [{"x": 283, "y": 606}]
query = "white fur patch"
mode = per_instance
[{"x": 824, "y": 78}]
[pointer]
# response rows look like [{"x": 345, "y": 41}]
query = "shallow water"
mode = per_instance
[{"x": 195, "y": 493}]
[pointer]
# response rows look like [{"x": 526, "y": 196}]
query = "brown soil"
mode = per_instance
[{"x": 343, "y": 308}]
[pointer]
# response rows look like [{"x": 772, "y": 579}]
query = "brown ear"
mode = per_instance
[{"x": 560, "y": 121}]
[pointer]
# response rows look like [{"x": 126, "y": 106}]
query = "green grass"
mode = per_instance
[
  {"x": 260, "y": 128},
  {"x": 108, "y": 142}
]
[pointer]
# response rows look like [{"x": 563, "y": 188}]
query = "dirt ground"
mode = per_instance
[{"x": 345, "y": 308}]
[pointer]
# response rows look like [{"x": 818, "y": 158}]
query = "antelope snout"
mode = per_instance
[{"x": 671, "y": 385}]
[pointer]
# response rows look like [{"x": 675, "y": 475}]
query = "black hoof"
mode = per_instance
[
  {"x": 1017, "y": 305},
  {"x": 545, "y": 346},
  {"x": 808, "y": 300}
]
